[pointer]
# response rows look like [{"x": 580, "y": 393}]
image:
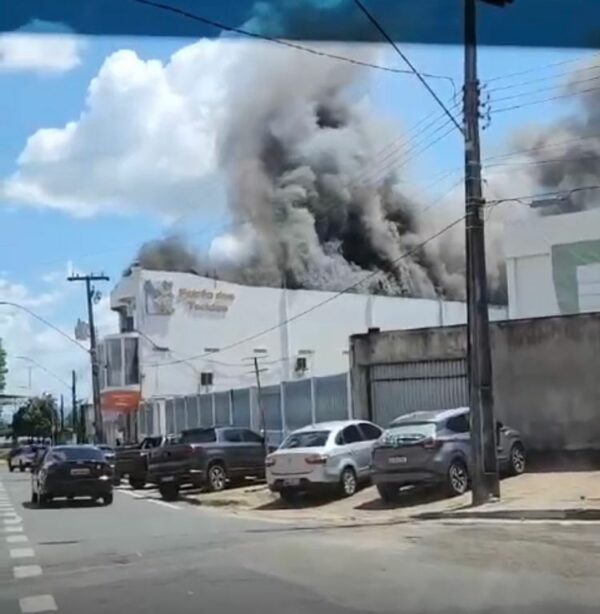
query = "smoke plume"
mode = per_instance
[{"x": 296, "y": 148}]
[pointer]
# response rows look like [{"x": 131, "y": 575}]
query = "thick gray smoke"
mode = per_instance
[
  {"x": 299, "y": 149},
  {"x": 565, "y": 155}
]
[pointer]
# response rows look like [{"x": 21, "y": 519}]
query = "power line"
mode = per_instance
[
  {"x": 329, "y": 299},
  {"x": 404, "y": 57},
  {"x": 279, "y": 41},
  {"x": 549, "y": 99}
]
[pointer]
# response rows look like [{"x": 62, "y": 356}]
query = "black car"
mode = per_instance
[{"x": 72, "y": 471}]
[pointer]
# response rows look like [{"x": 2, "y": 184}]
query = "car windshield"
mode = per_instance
[
  {"x": 77, "y": 453},
  {"x": 306, "y": 439},
  {"x": 406, "y": 433}
]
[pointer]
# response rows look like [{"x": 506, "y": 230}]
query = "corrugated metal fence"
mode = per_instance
[
  {"x": 401, "y": 388},
  {"x": 287, "y": 406}
]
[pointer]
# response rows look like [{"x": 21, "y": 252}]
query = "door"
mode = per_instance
[
  {"x": 357, "y": 447},
  {"x": 371, "y": 433},
  {"x": 255, "y": 451}
]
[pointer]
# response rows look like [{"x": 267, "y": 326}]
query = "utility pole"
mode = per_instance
[
  {"x": 74, "y": 414},
  {"x": 261, "y": 408},
  {"x": 90, "y": 295},
  {"x": 62, "y": 416},
  {"x": 485, "y": 481}
]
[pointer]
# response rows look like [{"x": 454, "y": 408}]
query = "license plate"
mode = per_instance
[
  {"x": 168, "y": 478},
  {"x": 80, "y": 471},
  {"x": 398, "y": 460},
  {"x": 292, "y": 482}
]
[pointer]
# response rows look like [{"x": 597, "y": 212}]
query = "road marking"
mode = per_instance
[
  {"x": 14, "y": 539},
  {"x": 165, "y": 504},
  {"x": 132, "y": 494},
  {"x": 38, "y": 603},
  {"x": 21, "y": 553},
  {"x": 27, "y": 571},
  {"x": 8, "y": 512},
  {"x": 11, "y": 529},
  {"x": 14, "y": 519}
]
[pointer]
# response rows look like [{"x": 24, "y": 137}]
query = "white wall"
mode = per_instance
[
  {"x": 528, "y": 250},
  {"x": 322, "y": 335}
]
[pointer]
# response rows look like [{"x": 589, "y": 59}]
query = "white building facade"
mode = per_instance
[{"x": 553, "y": 265}]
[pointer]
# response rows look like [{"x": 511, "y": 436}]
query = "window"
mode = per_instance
[
  {"x": 198, "y": 436},
  {"x": 252, "y": 437},
  {"x": 458, "y": 424},
  {"x": 132, "y": 375},
  {"x": 233, "y": 435},
  {"x": 306, "y": 439},
  {"x": 350, "y": 434},
  {"x": 76, "y": 453},
  {"x": 114, "y": 373},
  {"x": 370, "y": 431}
]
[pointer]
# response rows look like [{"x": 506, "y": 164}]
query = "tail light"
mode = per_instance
[
  {"x": 432, "y": 444},
  {"x": 269, "y": 461},
  {"x": 315, "y": 459}
]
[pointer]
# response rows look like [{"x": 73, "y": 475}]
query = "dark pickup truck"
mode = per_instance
[
  {"x": 132, "y": 461},
  {"x": 207, "y": 457}
]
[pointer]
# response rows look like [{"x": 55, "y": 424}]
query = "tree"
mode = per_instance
[
  {"x": 37, "y": 418},
  {"x": 3, "y": 369}
]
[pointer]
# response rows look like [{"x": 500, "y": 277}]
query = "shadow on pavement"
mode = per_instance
[
  {"x": 62, "y": 503},
  {"x": 410, "y": 497}
]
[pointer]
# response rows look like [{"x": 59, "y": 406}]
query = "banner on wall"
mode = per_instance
[{"x": 120, "y": 401}]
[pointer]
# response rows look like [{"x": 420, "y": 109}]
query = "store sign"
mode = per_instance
[
  {"x": 122, "y": 401},
  {"x": 205, "y": 301},
  {"x": 159, "y": 298}
]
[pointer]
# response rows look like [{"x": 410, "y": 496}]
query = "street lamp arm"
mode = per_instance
[{"x": 43, "y": 321}]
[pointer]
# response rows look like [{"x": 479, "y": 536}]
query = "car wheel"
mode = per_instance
[
  {"x": 21, "y": 467},
  {"x": 288, "y": 495},
  {"x": 43, "y": 500},
  {"x": 217, "y": 477},
  {"x": 10, "y": 468},
  {"x": 107, "y": 499},
  {"x": 169, "y": 492},
  {"x": 34, "y": 497},
  {"x": 390, "y": 493},
  {"x": 458, "y": 478},
  {"x": 517, "y": 459},
  {"x": 137, "y": 483},
  {"x": 348, "y": 482}
]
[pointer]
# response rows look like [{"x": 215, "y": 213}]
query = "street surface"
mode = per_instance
[{"x": 143, "y": 555}]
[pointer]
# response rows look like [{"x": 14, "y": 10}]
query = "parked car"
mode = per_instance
[
  {"x": 207, "y": 457},
  {"x": 110, "y": 456},
  {"x": 326, "y": 455},
  {"x": 132, "y": 461},
  {"x": 434, "y": 447},
  {"x": 72, "y": 471},
  {"x": 24, "y": 456}
]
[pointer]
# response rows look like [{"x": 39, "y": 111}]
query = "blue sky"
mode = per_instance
[{"x": 38, "y": 242}]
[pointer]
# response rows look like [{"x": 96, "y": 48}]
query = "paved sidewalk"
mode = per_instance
[{"x": 557, "y": 495}]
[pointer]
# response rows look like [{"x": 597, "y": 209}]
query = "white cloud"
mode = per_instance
[
  {"x": 44, "y": 53},
  {"x": 146, "y": 139}
]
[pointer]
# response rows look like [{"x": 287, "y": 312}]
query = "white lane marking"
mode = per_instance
[
  {"x": 165, "y": 504},
  {"x": 14, "y": 519},
  {"x": 21, "y": 553},
  {"x": 27, "y": 571},
  {"x": 38, "y": 603},
  {"x": 15, "y": 539},
  {"x": 132, "y": 494},
  {"x": 13, "y": 529},
  {"x": 8, "y": 512}
]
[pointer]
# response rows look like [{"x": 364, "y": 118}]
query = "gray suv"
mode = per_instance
[{"x": 434, "y": 447}]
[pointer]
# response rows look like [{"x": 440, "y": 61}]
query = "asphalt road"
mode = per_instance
[{"x": 140, "y": 555}]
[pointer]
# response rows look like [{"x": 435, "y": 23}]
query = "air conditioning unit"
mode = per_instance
[
  {"x": 301, "y": 364},
  {"x": 206, "y": 378}
]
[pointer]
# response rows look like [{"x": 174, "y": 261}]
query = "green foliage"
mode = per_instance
[
  {"x": 3, "y": 369},
  {"x": 37, "y": 418}
]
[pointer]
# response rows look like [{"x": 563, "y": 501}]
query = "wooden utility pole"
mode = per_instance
[
  {"x": 261, "y": 408},
  {"x": 90, "y": 295}
]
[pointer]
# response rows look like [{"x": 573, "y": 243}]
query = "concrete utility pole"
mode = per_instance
[
  {"x": 74, "y": 414},
  {"x": 485, "y": 481},
  {"x": 90, "y": 295},
  {"x": 261, "y": 408}
]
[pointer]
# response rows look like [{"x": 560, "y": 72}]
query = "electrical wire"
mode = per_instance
[
  {"x": 549, "y": 99},
  {"x": 284, "y": 42}
]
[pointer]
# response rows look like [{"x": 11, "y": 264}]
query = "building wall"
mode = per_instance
[
  {"x": 545, "y": 374},
  {"x": 553, "y": 264},
  {"x": 194, "y": 320}
]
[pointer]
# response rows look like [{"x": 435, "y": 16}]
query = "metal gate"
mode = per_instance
[{"x": 401, "y": 388}]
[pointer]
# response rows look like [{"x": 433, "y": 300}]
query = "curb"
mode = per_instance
[{"x": 539, "y": 514}]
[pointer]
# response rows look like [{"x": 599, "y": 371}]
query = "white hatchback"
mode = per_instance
[{"x": 324, "y": 455}]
